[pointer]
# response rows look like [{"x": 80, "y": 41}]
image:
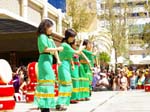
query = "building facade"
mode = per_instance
[
  {"x": 135, "y": 10},
  {"x": 19, "y": 20},
  {"x": 137, "y": 15}
]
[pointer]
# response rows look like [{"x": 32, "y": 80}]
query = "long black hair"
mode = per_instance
[
  {"x": 46, "y": 23},
  {"x": 85, "y": 42},
  {"x": 69, "y": 33}
]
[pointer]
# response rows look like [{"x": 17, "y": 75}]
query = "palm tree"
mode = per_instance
[{"x": 101, "y": 39}]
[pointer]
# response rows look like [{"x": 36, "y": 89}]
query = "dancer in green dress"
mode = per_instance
[
  {"x": 85, "y": 70},
  {"x": 64, "y": 75},
  {"x": 44, "y": 93},
  {"x": 75, "y": 76}
]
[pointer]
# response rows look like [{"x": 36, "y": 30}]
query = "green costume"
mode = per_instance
[
  {"x": 86, "y": 74},
  {"x": 92, "y": 60},
  {"x": 83, "y": 83},
  {"x": 87, "y": 68},
  {"x": 75, "y": 78},
  {"x": 64, "y": 75},
  {"x": 44, "y": 93}
]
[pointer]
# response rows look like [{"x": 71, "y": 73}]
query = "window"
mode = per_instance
[
  {"x": 141, "y": 3},
  {"x": 134, "y": 14}
]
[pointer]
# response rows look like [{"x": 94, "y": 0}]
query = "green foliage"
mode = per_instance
[
  {"x": 136, "y": 29},
  {"x": 146, "y": 34},
  {"x": 117, "y": 25},
  {"x": 135, "y": 40},
  {"x": 80, "y": 14},
  {"x": 104, "y": 57},
  {"x": 136, "y": 34}
]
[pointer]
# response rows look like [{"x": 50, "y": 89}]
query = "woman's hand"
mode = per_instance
[
  {"x": 72, "y": 67},
  {"x": 82, "y": 48},
  {"x": 94, "y": 54},
  {"x": 59, "y": 62},
  {"x": 60, "y": 48},
  {"x": 88, "y": 61}
]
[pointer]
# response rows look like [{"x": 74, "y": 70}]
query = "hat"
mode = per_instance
[{"x": 103, "y": 74}]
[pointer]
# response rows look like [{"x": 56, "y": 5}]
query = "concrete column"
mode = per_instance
[
  {"x": 59, "y": 22},
  {"x": 45, "y": 10},
  {"x": 24, "y": 7},
  {"x": 147, "y": 9}
]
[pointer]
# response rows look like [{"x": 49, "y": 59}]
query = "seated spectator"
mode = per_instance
[
  {"x": 103, "y": 83},
  {"x": 115, "y": 86}
]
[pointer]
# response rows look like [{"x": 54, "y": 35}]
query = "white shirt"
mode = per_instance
[{"x": 104, "y": 81}]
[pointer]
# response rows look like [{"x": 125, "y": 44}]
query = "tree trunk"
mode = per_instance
[{"x": 115, "y": 61}]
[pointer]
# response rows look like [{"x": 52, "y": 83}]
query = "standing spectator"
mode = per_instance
[
  {"x": 115, "y": 86},
  {"x": 16, "y": 82},
  {"x": 111, "y": 76},
  {"x": 22, "y": 71},
  {"x": 141, "y": 79},
  {"x": 147, "y": 79},
  {"x": 133, "y": 80},
  {"x": 123, "y": 81}
]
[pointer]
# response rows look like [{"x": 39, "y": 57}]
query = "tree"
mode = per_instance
[
  {"x": 101, "y": 38},
  {"x": 104, "y": 57},
  {"x": 104, "y": 60},
  {"x": 117, "y": 25},
  {"x": 81, "y": 15},
  {"x": 146, "y": 34}
]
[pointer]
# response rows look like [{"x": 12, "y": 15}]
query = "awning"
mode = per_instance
[
  {"x": 15, "y": 26},
  {"x": 19, "y": 34}
]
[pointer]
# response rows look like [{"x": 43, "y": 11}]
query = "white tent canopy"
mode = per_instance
[
  {"x": 136, "y": 59},
  {"x": 120, "y": 59},
  {"x": 145, "y": 60}
]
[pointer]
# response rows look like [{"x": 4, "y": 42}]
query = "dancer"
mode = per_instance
[
  {"x": 75, "y": 75},
  {"x": 85, "y": 70},
  {"x": 44, "y": 93},
  {"x": 64, "y": 75}
]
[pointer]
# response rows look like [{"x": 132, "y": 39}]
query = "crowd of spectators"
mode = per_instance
[
  {"x": 103, "y": 80},
  {"x": 124, "y": 80},
  {"x": 19, "y": 80}
]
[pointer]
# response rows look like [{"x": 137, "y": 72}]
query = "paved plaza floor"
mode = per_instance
[{"x": 106, "y": 101}]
